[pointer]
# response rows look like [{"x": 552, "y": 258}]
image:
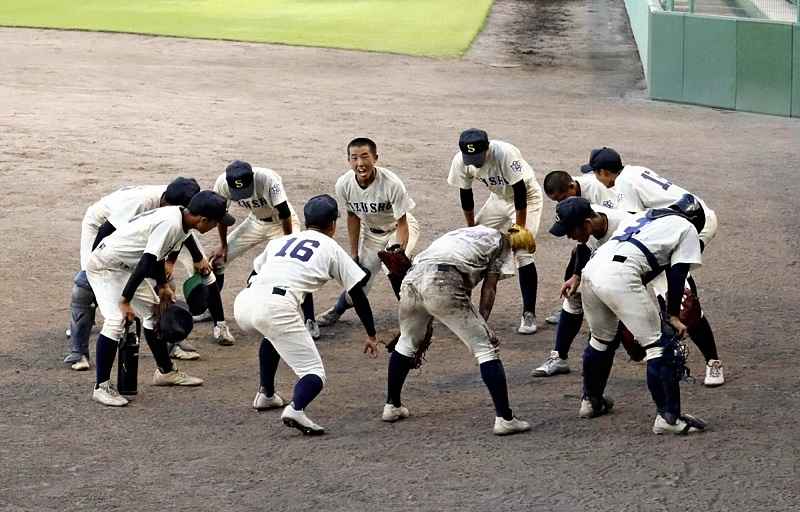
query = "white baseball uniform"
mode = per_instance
[
  {"x": 504, "y": 166},
  {"x": 158, "y": 232},
  {"x": 117, "y": 208},
  {"x": 379, "y": 206},
  {"x": 616, "y": 218},
  {"x": 262, "y": 224},
  {"x": 439, "y": 285},
  {"x": 612, "y": 283},
  {"x": 638, "y": 189},
  {"x": 298, "y": 264},
  {"x": 594, "y": 191}
]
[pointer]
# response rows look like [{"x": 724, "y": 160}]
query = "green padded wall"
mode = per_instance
[
  {"x": 639, "y": 17},
  {"x": 665, "y": 66},
  {"x": 796, "y": 73},
  {"x": 709, "y": 61},
  {"x": 764, "y": 67}
]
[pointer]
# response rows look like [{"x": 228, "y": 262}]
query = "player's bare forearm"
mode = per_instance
[
  {"x": 488, "y": 293},
  {"x": 469, "y": 216},
  {"x": 223, "y": 235},
  {"x": 522, "y": 217},
  {"x": 402, "y": 232},
  {"x": 353, "y": 233},
  {"x": 286, "y": 225}
]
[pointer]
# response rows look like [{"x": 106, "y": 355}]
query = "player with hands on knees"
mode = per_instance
[
  {"x": 378, "y": 218},
  {"x": 515, "y": 198},
  {"x": 289, "y": 269}
]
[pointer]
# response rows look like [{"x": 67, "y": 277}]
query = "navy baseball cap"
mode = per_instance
[
  {"x": 212, "y": 206},
  {"x": 181, "y": 191},
  {"x": 570, "y": 213},
  {"x": 239, "y": 176},
  {"x": 321, "y": 211},
  {"x": 603, "y": 158},
  {"x": 473, "y": 143}
]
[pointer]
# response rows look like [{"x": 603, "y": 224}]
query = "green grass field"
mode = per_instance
[{"x": 417, "y": 27}]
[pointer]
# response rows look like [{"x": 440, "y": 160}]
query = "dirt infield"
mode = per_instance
[{"x": 83, "y": 113}]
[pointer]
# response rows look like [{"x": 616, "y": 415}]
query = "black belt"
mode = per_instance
[
  {"x": 379, "y": 231},
  {"x": 266, "y": 219},
  {"x": 444, "y": 267},
  {"x": 620, "y": 259},
  {"x": 278, "y": 291}
]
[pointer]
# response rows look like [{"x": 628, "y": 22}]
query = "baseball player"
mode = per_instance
[
  {"x": 378, "y": 216},
  {"x": 591, "y": 226},
  {"x": 439, "y": 285},
  {"x": 290, "y": 268},
  {"x": 259, "y": 190},
  {"x": 614, "y": 289},
  {"x": 119, "y": 270},
  {"x": 102, "y": 219},
  {"x": 559, "y": 185},
  {"x": 639, "y": 188},
  {"x": 515, "y": 198}
]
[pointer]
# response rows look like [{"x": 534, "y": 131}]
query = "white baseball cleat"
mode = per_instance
[
  {"x": 298, "y": 419},
  {"x": 203, "y": 317},
  {"x": 184, "y": 355},
  {"x": 528, "y": 323},
  {"x": 262, "y": 402},
  {"x": 590, "y": 410},
  {"x": 107, "y": 394},
  {"x": 312, "y": 328},
  {"x": 81, "y": 365},
  {"x": 554, "y": 318},
  {"x": 175, "y": 378},
  {"x": 222, "y": 334},
  {"x": 504, "y": 427},
  {"x": 684, "y": 425},
  {"x": 328, "y": 318},
  {"x": 714, "y": 374},
  {"x": 553, "y": 365},
  {"x": 392, "y": 413}
]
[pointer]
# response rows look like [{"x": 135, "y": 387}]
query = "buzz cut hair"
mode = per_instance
[
  {"x": 362, "y": 141},
  {"x": 557, "y": 182}
]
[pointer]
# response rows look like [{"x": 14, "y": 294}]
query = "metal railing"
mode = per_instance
[{"x": 776, "y": 10}]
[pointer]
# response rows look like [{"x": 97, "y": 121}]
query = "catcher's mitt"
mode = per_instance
[
  {"x": 634, "y": 350},
  {"x": 690, "y": 309},
  {"x": 395, "y": 260},
  {"x": 419, "y": 357}
]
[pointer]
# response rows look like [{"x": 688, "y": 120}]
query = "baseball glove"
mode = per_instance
[
  {"x": 395, "y": 260},
  {"x": 690, "y": 309},
  {"x": 634, "y": 350},
  {"x": 419, "y": 357}
]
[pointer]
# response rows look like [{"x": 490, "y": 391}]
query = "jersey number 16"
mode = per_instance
[{"x": 302, "y": 250}]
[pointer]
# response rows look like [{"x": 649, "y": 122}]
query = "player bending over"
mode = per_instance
[
  {"x": 289, "y": 269},
  {"x": 439, "y": 286}
]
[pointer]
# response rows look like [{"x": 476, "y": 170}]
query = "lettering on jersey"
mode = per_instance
[
  {"x": 252, "y": 204},
  {"x": 275, "y": 189},
  {"x": 361, "y": 207},
  {"x": 608, "y": 203},
  {"x": 516, "y": 167},
  {"x": 494, "y": 181}
]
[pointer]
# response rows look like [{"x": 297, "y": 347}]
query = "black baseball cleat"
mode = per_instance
[{"x": 298, "y": 419}]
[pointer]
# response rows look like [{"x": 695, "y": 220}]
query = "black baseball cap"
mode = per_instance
[
  {"x": 473, "y": 142},
  {"x": 603, "y": 158},
  {"x": 321, "y": 211},
  {"x": 176, "y": 323},
  {"x": 239, "y": 176},
  {"x": 212, "y": 206},
  {"x": 570, "y": 213},
  {"x": 181, "y": 191}
]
